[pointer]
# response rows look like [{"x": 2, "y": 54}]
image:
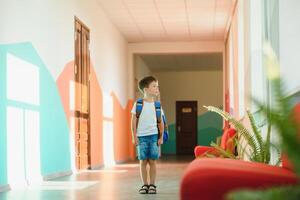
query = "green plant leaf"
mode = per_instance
[
  {"x": 241, "y": 130},
  {"x": 222, "y": 151},
  {"x": 258, "y": 137}
]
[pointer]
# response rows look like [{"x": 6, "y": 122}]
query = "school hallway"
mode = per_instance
[
  {"x": 70, "y": 75},
  {"x": 120, "y": 182}
]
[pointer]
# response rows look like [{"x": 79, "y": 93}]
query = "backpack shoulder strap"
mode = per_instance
[
  {"x": 139, "y": 107},
  {"x": 158, "y": 111},
  {"x": 164, "y": 119}
]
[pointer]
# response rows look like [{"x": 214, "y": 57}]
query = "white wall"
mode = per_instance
[
  {"x": 167, "y": 48},
  {"x": 49, "y": 25},
  {"x": 289, "y": 43},
  {"x": 141, "y": 68},
  {"x": 206, "y": 87}
]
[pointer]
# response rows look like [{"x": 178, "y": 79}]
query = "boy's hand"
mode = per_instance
[
  {"x": 160, "y": 141},
  {"x": 135, "y": 141}
]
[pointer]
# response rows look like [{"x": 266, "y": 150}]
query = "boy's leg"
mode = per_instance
[
  {"x": 152, "y": 187},
  {"x": 143, "y": 171},
  {"x": 153, "y": 147},
  {"x": 142, "y": 151},
  {"x": 142, "y": 156},
  {"x": 152, "y": 171},
  {"x": 152, "y": 162}
]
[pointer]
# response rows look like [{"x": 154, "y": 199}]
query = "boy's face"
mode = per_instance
[{"x": 153, "y": 89}]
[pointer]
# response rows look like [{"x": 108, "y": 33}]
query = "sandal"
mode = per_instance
[
  {"x": 152, "y": 189},
  {"x": 144, "y": 189}
]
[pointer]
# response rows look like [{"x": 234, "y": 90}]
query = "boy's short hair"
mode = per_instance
[{"x": 145, "y": 82}]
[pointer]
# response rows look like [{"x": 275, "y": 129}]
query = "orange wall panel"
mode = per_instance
[
  {"x": 96, "y": 110},
  {"x": 63, "y": 84},
  {"x": 131, "y": 147},
  {"x": 121, "y": 137}
]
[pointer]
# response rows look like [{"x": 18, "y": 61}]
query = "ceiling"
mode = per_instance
[
  {"x": 183, "y": 62},
  {"x": 169, "y": 20}
]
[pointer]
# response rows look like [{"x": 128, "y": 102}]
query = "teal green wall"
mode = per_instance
[
  {"x": 170, "y": 146},
  {"x": 209, "y": 128},
  {"x": 54, "y": 131}
]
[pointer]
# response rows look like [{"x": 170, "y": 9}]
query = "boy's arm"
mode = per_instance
[
  {"x": 133, "y": 129},
  {"x": 162, "y": 128},
  {"x": 161, "y": 132}
]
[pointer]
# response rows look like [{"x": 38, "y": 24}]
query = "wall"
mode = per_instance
[
  {"x": 167, "y": 48},
  {"x": 42, "y": 33},
  {"x": 234, "y": 60},
  {"x": 141, "y": 70},
  {"x": 44, "y": 101},
  {"x": 49, "y": 26},
  {"x": 205, "y": 87}
]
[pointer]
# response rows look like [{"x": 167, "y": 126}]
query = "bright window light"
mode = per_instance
[
  {"x": 231, "y": 74},
  {"x": 15, "y": 147},
  {"x": 72, "y": 95},
  {"x": 108, "y": 110},
  {"x": 23, "y": 147},
  {"x": 257, "y": 74},
  {"x": 32, "y": 146},
  {"x": 241, "y": 70},
  {"x": 108, "y": 133},
  {"x": 22, "y": 81},
  {"x": 108, "y": 143},
  {"x": 23, "y": 126}
]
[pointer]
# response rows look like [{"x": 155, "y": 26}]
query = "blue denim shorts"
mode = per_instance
[{"x": 148, "y": 147}]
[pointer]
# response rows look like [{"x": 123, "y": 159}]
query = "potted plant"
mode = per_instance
[{"x": 258, "y": 150}]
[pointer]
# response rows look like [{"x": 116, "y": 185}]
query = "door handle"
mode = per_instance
[{"x": 179, "y": 128}]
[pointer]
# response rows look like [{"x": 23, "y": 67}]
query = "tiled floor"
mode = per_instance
[{"x": 117, "y": 183}]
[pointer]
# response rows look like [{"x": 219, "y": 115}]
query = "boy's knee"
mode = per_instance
[
  {"x": 144, "y": 162},
  {"x": 152, "y": 162}
]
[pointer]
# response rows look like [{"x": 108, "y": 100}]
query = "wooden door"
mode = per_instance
[
  {"x": 82, "y": 95},
  {"x": 186, "y": 126}
]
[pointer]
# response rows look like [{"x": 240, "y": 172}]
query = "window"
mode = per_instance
[
  {"x": 108, "y": 132},
  {"x": 23, "y": 122}
]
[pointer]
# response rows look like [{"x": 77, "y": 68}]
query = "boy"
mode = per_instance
[{"x": 145, "y": 133}]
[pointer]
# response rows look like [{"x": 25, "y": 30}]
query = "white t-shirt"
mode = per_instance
[{"x": 147, "y": 124}]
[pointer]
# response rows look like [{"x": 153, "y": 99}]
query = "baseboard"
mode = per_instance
[
  {"x": 57, "y": 175},
  {"x": 97, "y": 167},
  {"x": 123, "y": 161},
  {"x": 102, "y": 165},
  {"x": 4, "y": 188}
]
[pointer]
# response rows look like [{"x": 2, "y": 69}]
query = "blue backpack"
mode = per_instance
[{"x": 159, "y": 116}]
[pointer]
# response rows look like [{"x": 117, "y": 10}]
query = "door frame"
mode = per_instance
[{"x": 77, "y": 20}]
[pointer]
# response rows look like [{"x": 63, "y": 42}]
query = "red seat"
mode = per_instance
[
  {"x": 212, "y": 178},
  {"x": 226, "y": 144}
]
